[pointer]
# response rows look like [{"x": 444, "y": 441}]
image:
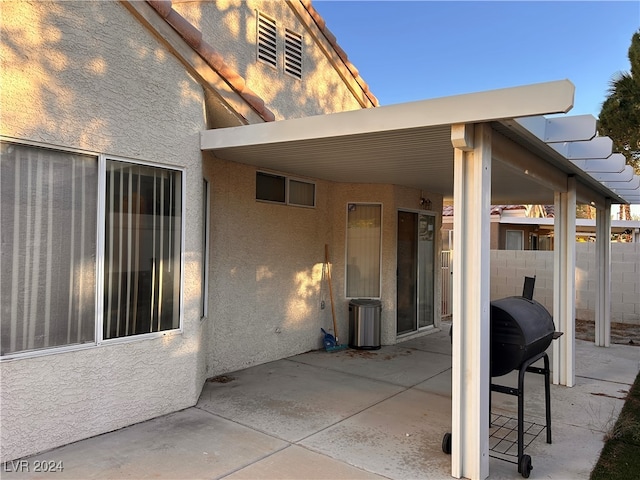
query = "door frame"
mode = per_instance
[{"x": 435, "y": 323}]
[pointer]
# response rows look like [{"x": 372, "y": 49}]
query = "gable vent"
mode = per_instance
[
  {"x": 266, "y": 40},
  {"x": 293, "y": 54}
]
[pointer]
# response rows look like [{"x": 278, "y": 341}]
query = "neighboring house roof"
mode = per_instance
[
  {"x": 447, "y": 210},
  {"x": 214, "y": 59}
]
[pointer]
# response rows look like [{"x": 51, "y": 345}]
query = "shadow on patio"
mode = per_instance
[{"x": 351, "y": 414}]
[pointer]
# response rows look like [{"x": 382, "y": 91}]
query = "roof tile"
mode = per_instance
[{"x": 215, "y": 60}]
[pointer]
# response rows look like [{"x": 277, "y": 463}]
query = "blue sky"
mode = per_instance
[{"x": 413, "y": 50}]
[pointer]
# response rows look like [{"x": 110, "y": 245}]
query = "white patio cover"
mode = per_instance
[{"x": 493, "y": 147}]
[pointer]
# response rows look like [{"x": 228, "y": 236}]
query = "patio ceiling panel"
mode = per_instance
[
  {"x": 420, "y": 158},
  {"x": 410, "y": 144}
]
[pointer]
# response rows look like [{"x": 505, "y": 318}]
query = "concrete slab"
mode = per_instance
[
  {"x": 350, "y": 414},
  {"x": 187, "y": 444},
  {"x": 292, "y": 400},
  {"x": 436, "y": 342},
  {"x": 294, "y": 463},
  {"x": 572, "y": 455},
  {"x": 398, "y": 438},
  {"x": 617, "y": 363},
  {"x": 398, "y": 364}
]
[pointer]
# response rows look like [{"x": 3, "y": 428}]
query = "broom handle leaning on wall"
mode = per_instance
[{"x": 333, "y": 310}]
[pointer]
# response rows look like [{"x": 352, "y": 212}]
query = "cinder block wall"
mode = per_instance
[{"x": 509, "y": 267}]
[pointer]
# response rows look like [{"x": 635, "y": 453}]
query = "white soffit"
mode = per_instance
[{"x": 410, "y": 144}]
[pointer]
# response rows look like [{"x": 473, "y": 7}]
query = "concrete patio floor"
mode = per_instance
[{"x": 350, "y": 414}]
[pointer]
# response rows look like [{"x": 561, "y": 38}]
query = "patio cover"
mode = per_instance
[{"x": 480, "y": 148}]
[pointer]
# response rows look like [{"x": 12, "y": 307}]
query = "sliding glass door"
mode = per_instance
[{"x": 415, "y": 271}]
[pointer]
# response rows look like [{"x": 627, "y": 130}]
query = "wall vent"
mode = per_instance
[
  {"x": 266, "y": 40},
  {"x": 293, "y": 54}
]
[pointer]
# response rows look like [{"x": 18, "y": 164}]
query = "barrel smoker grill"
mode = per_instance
[{"x": 521, "y": 331}]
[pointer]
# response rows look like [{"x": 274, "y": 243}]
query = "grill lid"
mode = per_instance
[{"x": 520, "y": 329}]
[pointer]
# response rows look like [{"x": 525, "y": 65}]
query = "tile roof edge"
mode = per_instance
[
  {"x": 331, "y": 38},
  {"x": 193, "y": 37}
]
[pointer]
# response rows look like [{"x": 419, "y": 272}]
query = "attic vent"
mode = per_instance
[
  {"x": 293, "y": 54},
  {"x": 266, "y": 40}
]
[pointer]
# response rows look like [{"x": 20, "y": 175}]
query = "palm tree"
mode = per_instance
[{"x": 620, "y": 113}]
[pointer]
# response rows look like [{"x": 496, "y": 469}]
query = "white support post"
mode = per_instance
[
  {"x": 471, "y": 325},
  {"x": 603, "y": 261},
  {"x": 564, "y": 280}
]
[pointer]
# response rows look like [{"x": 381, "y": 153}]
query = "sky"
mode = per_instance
[{"x": 414, "y": 50}]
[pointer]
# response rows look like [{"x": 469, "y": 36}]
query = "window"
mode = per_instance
[
  {"x": 266, "y": 41},
  {"x": 143, "y": 227},
  {"x": 206, "y": 215},
  {"x": 280, "y": 189},
  {"x": 293, "y": 54},
  {"x": 514, "y": 240},
  {"x": 363, "y": 250},
  {"x": 57, "y": 235},
  {"x": 48, "y": 268},
  {"x": 271, "y": 188},
  {"x": 302, "y": 193}
]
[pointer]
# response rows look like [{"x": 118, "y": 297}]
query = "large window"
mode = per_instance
[
  {"x": 53, "y": 226},
  {"x": 363, "y": 250},
  {"x": 142, "y": 249},
  {"x": 48, "y": 211}
]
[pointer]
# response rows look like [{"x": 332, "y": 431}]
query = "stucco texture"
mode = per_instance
[
  {"x": 266, "y": 266},
  {"x": 230, "y": 25},
  {"x": 87, "y": 75}
]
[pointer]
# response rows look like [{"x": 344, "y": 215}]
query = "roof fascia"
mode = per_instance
[{"x": 506, "y": 103}]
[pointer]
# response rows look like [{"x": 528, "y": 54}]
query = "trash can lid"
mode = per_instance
[{"x": 365, "y": 302}]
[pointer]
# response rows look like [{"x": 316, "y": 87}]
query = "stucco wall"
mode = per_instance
[
  {"x": 508, "y": 269},
  {"x": 230, "y": 26},
  {"x": 88, "y": 75},
  {"x": 265, "y": 271},
  {"x": 266, "y": 266}
]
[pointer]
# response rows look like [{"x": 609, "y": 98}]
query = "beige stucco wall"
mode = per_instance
[
  {"x": 87, "y": 75},
  {"x": 266, "y": 266},
  {"x": 230, "y": 27}
]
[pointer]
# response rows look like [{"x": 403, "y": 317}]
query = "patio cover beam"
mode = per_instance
[
  {"x": 537, "y": 99},
  {"x": 470, "y": 368},
  {"x": 603, "y": 257},
  {"x": 564, "y": 262}
]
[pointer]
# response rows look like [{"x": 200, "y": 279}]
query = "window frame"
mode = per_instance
[
  {"x": 287, "y": 180},
  {"x": 346, "y": 250},
  {"x": 100, "y": 253},
  {"x": 206, "y": 241}
]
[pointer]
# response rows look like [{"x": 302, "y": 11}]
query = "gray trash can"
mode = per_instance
[{"x": 364, "y": 324}]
